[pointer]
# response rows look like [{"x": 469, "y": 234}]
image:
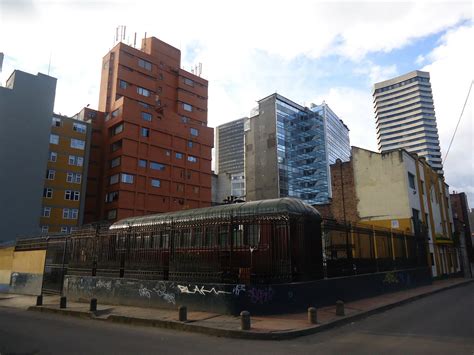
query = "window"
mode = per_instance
[
  {"x": 53, "y": 156},
  {"x": 70, "y": 213},
  {"x": 116, "y": 146},
  {"x": 127, "y": 178},
  {"x": 115, "y": 113},
  {"x": 79, "y": 127},
  {"x": 411, "y": 181},
  {"x": 192, "y": 159},
  {"x": 117, "y": 129},
  {"x": 184, "y": 119},
  {"x": 144, "y": 64},
  {"x": 48, "y": 192},
  {"x": 46, "y": 212},
  {"x": 157, "y": 166},
  {"x": 53, "y": 139},
  {"x": 180, "y": 187},
  {"x": 167, "y": 153},
  {"x": 155, "y": 183},
  {"x": 115, "y": 162},
  {"x": 142, "y": 163},
  {"x": 194, "y": 132},
  {"x": 78, "y": 144},
  {"x": 50, "y": 174},
  {"x": 64, "y": 229},
  {"x": 113, "y": 179},
  {"x": 190, "y": 144},
  {"x": 72, "y": 195},
  {"x": 75, "y": 178},
  {"x": 188, "y": 82},
  {"x": 160, "y": 76},
  {"x": 422, "y": 187},
  {"x": 144, "y": 104},
  {"x": 195, "y": 189},
  {"x": 111, "y": 196},
  {"x": 145, "y": 132},
  {"x": 179, "y": 155},
  {"x": 143, "y": 92},
  {"x": 123, "y": 84},
  {"x": 187, "y": 107},
  {"x": 44, "y": 229},
  {"x": 146, "y": 116},
  {"x": 112, "y": 214},
  {"x": 56, "y": 122},
  {"x": 75, "y": 160}
]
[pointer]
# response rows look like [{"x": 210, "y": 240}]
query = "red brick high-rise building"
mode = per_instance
[{"x": 151, "y": 147}]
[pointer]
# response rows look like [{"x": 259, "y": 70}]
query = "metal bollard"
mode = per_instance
[
  {"x": 312, "y": 315},
  {"x": 340, "y": 308},
  {"x": 244, "y": 320},
  {"x": 183, "y": 313},
  {"x": 39, "y": 300},
  {"x": 93, "y": 306},
  {"x": 63, "y": 302}
]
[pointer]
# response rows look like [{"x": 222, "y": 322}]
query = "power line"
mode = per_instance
[{"x": 465, "y": 103}]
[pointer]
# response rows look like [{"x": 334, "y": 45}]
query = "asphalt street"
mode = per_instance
[{"x": 439, "y": 324}]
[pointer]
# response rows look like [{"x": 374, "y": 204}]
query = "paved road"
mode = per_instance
[{"x": 439, "y": 324}]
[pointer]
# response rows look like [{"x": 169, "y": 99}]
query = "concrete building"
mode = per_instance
[
  {"x": 405, "y": 116},
  {"x": 66, "y": 175},
  {"x": 397, "y": 190},
  {"x": 463, "y": 229},
  {"x": 288, "y": 149},
  {"x": 230, "y": 160},
  {"x": 26, "y": 109},
  {"x": 151, "y": 130}
]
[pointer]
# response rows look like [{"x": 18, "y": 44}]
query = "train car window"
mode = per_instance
[
  {"x": 210, "y": 233},
  {"x": 252, "y": 235},
  {"x": 165, "y": 240},
  {"x": 185, "y": 241},
  {"x": 197, "y": 237},
  {"x": 223, "y": 236},
  {"x": 238, "y": 235}
]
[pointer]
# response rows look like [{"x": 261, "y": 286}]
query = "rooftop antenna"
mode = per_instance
[
  {"x": 1, "y": 61},
  {"x": 49, "y": 64},
  {"x": 144, "y": 42},
  {"x": 124, "y": 30},
  {"x": 135, "y": 41},
  {"x": 200, "y": 69}
]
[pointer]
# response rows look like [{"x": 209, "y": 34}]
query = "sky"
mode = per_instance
[{"x": 308, "y": 51}]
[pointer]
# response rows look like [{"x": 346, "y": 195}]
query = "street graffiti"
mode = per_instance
[
  {"x": 104, "y": 284},
  {"x": 144, "y": 292},
  {"x": 238, "y": 289},
  {"x": 260, "y": 295},
  {"x": 390, "y": 278},
  {"x": 200, "y": 290},
  {"x": 163, "y": 292}
]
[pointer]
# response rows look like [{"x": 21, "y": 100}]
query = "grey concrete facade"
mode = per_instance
[
  {"x": 261, "y": 170},
  {"x": 26, "y": 109}
]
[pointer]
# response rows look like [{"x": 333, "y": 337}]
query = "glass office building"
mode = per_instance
[{"x": 307, "y": 141}]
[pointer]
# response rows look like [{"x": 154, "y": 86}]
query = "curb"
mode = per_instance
[{"x": 240, "y": 334}]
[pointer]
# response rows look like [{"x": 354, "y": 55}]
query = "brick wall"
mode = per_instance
[{"x": 344, "y": 198}]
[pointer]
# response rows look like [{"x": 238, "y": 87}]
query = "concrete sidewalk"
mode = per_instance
[{"x": 282, "y": 326}]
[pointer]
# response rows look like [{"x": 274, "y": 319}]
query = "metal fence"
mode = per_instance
[{"x": 352, "y": 249}]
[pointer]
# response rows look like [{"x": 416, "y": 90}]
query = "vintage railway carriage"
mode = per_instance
[{"x": 268, "y": 241}]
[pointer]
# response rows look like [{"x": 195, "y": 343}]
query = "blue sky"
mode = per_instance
[{"x": 307, "y": 50}]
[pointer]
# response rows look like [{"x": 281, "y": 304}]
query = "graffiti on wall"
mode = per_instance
[{"x": 201, "y": 290}]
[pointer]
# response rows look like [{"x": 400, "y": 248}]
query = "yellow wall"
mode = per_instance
[
  {"x": 404, "y": 224},
  {"x": 381, "y": 185},
  {"x": 6, "y": 260},
  {"x": 31, "y": 261}
]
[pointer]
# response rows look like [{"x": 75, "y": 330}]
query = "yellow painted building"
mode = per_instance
[
  {"x": 66, "y": 175},
  {"x": 401, "y": 191}
]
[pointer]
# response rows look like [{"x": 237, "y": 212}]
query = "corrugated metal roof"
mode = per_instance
[{"x": 280, "y": 206}]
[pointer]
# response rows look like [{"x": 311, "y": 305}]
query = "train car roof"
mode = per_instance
[{"x": 274, "y": 207}]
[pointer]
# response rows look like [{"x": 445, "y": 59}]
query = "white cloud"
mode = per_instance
[
  {"x": 451, "y": 72},
  {"x": 354, "y": 107}
]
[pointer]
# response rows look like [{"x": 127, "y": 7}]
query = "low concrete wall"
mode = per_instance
[
  {"x": 6, "y": 260},
  {"x": 232, "y": 299},
  {"x": 27, "y": 272}
]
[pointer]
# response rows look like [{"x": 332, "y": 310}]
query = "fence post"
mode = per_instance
[
  {"x": 93, "y": 305},
  {"x": 39, "y": 300},
  {"x": 312, "y": 315},
  {"x": 375, "y": 248},
  {"x": 340, "y": 308},
  {"x": 244, "y": 320},
  {"x": 62, "y": 302},
  {"x": 182, "y": 313}
]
